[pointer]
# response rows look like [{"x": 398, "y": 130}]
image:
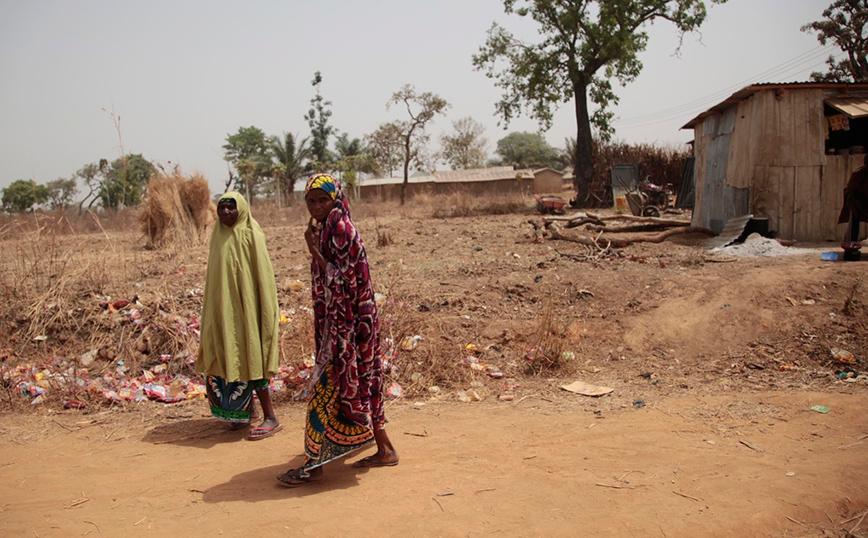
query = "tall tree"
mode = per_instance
[
  {"x": 465, "y": 147},
  {"x": 421, "y": 107},
  {"x": 125, "y": 181},
  {"x": 320, "y": 131},
  {"x": 585, "y": 43},
  {"x": 23, "y": 195},
  {"x": 61, "y": 192},
  {"x": 844, "y": 25},
  {"x": 385, "y": 149},
  {"x": 528, "y": 150},
  {"x": 290, "y": 157},
  {"x": 248, "y": 151}
]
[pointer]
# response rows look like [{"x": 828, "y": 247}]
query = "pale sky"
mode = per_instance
[{"x": 184, "y": 74}]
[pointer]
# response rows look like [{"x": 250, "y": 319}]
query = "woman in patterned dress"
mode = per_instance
[{"x": 345, "y": 411}]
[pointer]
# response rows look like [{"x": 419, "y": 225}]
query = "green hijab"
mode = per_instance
[{"x": 240, "y": 318}]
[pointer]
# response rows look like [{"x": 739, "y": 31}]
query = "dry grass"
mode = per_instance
[
  {"x": 460, "y": 204},
  {"x": 177, "y": 211}
]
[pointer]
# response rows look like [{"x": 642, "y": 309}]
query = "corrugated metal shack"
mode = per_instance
[{"x": 780, "y": 151}]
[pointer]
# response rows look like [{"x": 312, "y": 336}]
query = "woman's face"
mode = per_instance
[
  {"x": 227, "y": 212},
  {"x": 319, "y": 204}
]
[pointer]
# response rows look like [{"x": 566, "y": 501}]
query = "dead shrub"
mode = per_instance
[
  {"x": 177, "y": 211},
  {"x": 465, "y": 205},
  {"x": 551, "y": 342}
]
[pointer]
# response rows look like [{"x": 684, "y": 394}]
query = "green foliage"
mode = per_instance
[
  {"x": 421, "y": 107},
  {"x": 125, "y": 181},
  {"x": 844, "y": 24},
  {"x": 465, "y": 147},
  {"x": 249, "y": 152},
  {"x": 61, "y": 193},
  {"x": 529, "y": 150},
  {"x": 22, "y": 195},
  {"x": 584, "y": 44},
  {"x": 290, "y": 156},
  {"x": 318, "y": 120},
  {"x": 385, "y": 149},
  {"x": 352, "y": 158}
]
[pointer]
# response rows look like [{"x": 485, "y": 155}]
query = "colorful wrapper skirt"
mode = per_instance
[
  {"x": 232, "y": 401},
  {"x": 328, "y": 435}
]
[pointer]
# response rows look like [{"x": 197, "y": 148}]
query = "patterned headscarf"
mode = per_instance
[{"x": 321, "y": 181}]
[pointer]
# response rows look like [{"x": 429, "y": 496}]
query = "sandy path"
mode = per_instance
[{"x": 715, "y": 466}]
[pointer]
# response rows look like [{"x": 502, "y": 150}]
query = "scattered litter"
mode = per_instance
[
  {"x": 586, "y": 389},
  {"x": 638, "y": 404},
  {"x": 411, "y": 342},
  {"x": 395, "y": 391},
  {"x": 842, "y": 355},
  {"x": 829, "y": 256},
  {"x": 820, "y": 409}
]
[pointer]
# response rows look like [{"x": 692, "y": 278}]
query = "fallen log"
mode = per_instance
[
  {"x": 647, "y": 220},
  {"x": 575, "y": 220},
  {"x": 628, "y": 229},
  {"x": 598, "y": 242},
  {"x": 663, "y": 236}
]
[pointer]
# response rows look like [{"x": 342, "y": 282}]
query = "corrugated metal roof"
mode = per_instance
[
  {"x": 855, "y": 107},
  {"x": 494, "y": 173},
  {"x": 747, "y": 91}
]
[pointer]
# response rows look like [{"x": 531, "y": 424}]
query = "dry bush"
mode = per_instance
[
  {"x": 460, "y": 204},
  {"x": 177, "y": 211},
  {"x": 663, "y": 165},
  {"x": 551, "y": 342}
]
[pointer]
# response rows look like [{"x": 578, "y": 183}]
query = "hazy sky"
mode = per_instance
[{"x": 184, "y": 74}]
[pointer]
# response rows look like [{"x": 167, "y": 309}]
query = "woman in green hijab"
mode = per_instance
[{"x": 238, "y": 347}]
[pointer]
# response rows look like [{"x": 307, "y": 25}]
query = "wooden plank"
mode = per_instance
[
  {"x": 807, "y": 215},
  {"x": 741, "y": 154},
  {"x": 772, "y": 194},
  {"x": 833, "y": 194},
  {"x": 810, "y": 133},
  {"x": 769, "y": 140},
  {"x": 783, "y": 179},
  {"x": 784, "y": 103}
]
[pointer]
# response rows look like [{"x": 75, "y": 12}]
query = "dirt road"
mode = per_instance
[{"x": 749, "y": 464}]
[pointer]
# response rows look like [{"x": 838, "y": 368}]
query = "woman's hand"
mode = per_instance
[{"x": 312, "y": 236}]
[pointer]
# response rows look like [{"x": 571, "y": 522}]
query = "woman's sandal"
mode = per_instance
[{"x": 294, "y": 478}]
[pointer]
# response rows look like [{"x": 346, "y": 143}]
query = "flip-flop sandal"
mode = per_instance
[
  {"x": 369, "y": 461},
  {"x": 295, "y": 478},
  {"x": 261, "y": 433}
]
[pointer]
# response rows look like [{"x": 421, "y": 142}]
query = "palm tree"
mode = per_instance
[
  {"x": 351, "y": 158},
  {"x": 290, "y": 157}
]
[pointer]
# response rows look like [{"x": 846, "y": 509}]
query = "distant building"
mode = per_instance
[
  {"x": 783, "y": 152},
  {"x": 498, "y": 179}
]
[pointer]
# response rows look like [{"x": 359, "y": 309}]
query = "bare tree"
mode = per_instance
[{"x": 422, "y": 108}]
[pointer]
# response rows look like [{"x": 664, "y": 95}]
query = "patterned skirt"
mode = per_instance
[
  {"x": 232, "y": 401},
  {"x": 328, "y": 435}
]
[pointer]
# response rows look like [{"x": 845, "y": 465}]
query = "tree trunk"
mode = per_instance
[{"x": 583, "y": 167}]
